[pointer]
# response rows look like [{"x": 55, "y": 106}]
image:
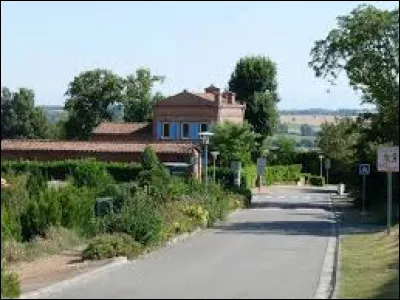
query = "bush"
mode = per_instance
[
  {"x": 249, "y": 176},
  {"x": 91, "y": 174},
  {"x": 317, "y": 180},
  {"x": 139, "y": 217},
  {"x": 60, "y": 170},
  {"x": 9, "y": 284},
  {"x": 281, "y": 174},
  {"x": 10, "y": 227},
  {"x": 112, "y": 245}
]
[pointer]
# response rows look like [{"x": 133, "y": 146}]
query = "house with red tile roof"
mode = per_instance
[{"x": 173, "y": 134}]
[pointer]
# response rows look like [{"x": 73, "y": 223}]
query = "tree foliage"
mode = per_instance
[
  {"x": 265, "y": 115},
  {"x": 254, "y": 82},
  {"x": 245, "y": 141},
  {"x": 138, "y": 97},
  {"x": 92, "y": 93},
  {"x": 365, "y": 45},
  {"x": 89, "y": 95},
  {"x": 338, "y": 140},
  {"x": 19, "y": 116}
]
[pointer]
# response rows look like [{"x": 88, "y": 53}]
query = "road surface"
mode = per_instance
[{"x": 273, "y": 250}]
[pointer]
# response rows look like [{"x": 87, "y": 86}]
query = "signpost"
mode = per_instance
[
  {"x": 363, "y": 170},
  {"x": 388, "y": 161},
  {"x": 236, "y": 166},
  {"x": 261, "y": 164},
  {"x": 327, "y": 167}
]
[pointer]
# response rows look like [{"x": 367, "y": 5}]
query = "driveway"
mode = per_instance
[{"x": 273, "y": 250}]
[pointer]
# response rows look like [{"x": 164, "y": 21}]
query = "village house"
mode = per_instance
[{"x": 173, "y": 133}]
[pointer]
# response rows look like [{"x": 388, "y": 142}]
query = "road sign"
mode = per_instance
[
  {"x": 388, "y": 159},
  {"x": 364, "y": 169},
  {"x": 327, "y": 163},
  {"x": 261, "y": 164}
]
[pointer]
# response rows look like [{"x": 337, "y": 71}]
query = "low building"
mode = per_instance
[
  {"x": 173, "y": 134},
  {"x": 46, "y": 150}
]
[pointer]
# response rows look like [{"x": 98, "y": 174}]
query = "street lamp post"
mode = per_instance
[
  {"x": 214, "y": 155},
  {"x": 205, "y": 138},
  {"x": 320, "y": 164}
]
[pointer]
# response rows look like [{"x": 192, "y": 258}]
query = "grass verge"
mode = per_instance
[{"x": 370, "y": 266}]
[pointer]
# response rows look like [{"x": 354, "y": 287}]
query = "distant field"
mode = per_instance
[
  {"x": 295, "y": 137},
  {"x": 314, "y": 120}
]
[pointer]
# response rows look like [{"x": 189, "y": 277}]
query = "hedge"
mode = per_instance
[
  {"x": 59, "y": 170},
  {"x": 280, "y": 174},
  {"x": 317, "y": 180}
]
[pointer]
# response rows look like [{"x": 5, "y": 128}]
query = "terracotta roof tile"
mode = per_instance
[
  {"x": 119, "y": 128},
  {"x": 46, "y": 145}
]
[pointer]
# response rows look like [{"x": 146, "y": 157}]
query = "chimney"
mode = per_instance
[
  {"x": 218, "y": 98},
  {"x": 212, "y": 89},
  {"x": 231, "y": 97}
]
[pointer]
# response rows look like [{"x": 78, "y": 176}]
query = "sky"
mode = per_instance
[{"x": 193, "y": 44}]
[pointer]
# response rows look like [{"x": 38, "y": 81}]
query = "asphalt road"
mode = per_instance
[{"x": 273, "y": 250}]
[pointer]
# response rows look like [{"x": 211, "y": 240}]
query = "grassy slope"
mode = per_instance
[{"x": 370, "y": 266}]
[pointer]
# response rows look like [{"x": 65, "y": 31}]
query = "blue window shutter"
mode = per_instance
[
  {"x": 178, "y": 131},
  {"x": 194, "y": 131},
  {"x": 158, "y": 130},
  {"x": 172, "y": 130}
]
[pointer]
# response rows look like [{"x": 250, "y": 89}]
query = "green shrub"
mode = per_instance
[
  {"x": 10, "y": 227},
  {"x": 112, "y": 245},
  {"x": 317, "y": 180},
  {"x": 250, "y": 176},
  {"x": 140, "y": 217},
  {"x": 36, "y": 182},
  {"x": 60, "y": 170},
  {"x": 281, "y": 174},
  {"x": 91, "y": 174},
  {"x": 9, "y": 284},
  {"x": 15, "y": 197}
]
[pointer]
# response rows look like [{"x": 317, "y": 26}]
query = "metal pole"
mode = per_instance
[
  {"x": 363, "y": 212},
  {"x": 327, "y": 176},
  {"x": 389, "y": 201},
  {"x": 205, "y": 167},
  {"x": 320, "y": 167},
  {"x": 214, "y": 171}
]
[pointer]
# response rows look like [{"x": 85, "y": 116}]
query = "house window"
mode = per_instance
[
  {"x": 166, "y": 131},
  {"x": 185, "y": 130},
  {"x": 203, "y": 127}
]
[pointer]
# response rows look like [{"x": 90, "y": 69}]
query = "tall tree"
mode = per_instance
[
  {"x": 265, "y": 115},
  {"x": 19, "y": 116},
  {"x": 254, "y": 82},
  {"x": 365, "y": 44},
  {"x": 138, "y": 97},
  {"x": 89, "y": 95}
]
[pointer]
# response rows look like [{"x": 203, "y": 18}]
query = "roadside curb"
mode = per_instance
[
  {"x": 328, "y": 278},
  {"x": 118, "y": 261}
]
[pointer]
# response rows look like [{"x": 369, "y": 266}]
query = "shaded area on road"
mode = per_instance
[
  {"x": 290, "y": 205},
  {"x": 315, "y": 228}
]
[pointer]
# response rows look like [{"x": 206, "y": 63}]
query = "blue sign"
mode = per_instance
[{"x": 364, "y": 169}]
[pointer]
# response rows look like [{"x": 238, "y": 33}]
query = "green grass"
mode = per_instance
[{"x": 370, "y": 266}]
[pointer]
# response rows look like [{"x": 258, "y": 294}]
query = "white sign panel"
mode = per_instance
[
  {"x": 364, "y": 169},
  {"x": 261, "y": 164},
  {"x": 388, "y": 159},
  {"x": 327, "y": 163}
]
